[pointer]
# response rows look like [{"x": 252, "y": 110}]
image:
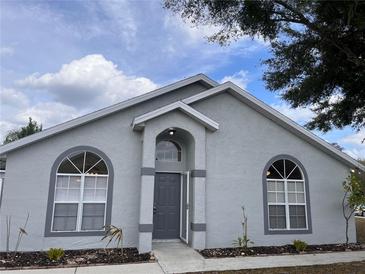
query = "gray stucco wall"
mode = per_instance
[
  {"x": 28, "y": 176},
  {"x": 236, "y": 156}
]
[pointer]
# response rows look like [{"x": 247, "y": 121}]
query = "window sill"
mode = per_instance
[
  {"x": 73, "y": 233},
  {"x": 292, "y": 231}
]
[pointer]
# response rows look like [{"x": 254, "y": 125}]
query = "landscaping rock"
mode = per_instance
[
  {"x": 272, "y": 250},
  {"x": 72, "y": 257}
]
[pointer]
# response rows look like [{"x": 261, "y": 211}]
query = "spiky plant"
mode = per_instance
[{"x": 114, "y": 233}]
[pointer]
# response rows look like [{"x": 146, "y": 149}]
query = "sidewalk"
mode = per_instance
[
  {"x": 178, "y": 258},
  {"x": 140, "y": 268}
]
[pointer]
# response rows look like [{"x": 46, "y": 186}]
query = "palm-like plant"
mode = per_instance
[{"x": 114, "y": 233}]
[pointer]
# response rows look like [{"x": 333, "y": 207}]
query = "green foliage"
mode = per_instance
[
  {"x": 354, "y": 188},
  {"x": 317, "y": 50},
  {"x": 31, "y": 128},
  {"x": 114, "y": 233},
  {"x": 55, "y": 254},
  {"x": 354, "y": 196},
  {"x": 242, "y": 242},
  {"x": 299, "y": 245}
]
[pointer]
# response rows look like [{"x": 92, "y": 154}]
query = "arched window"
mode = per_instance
[
  {"x": 168, "y": 151},
  {"x": 80, "y": 193},
  {"x": 286, "y": 205}
]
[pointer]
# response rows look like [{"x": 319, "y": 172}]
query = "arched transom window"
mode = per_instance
[
  {"x": 80, "y": 197},
  {"x": 168, "y": 151},
  {"x": 286, "y": 196}
]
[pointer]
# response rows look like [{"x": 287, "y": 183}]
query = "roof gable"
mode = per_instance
[
  {"x": 278, "y": 118},
  {"x": 139, "y": 122},
  {"x": 233, "y": 89},
  {"x": 105, "y": 111}
]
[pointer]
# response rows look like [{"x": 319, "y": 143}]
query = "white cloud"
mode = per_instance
[
  {"x": 6, "y": 51},
  {"x": 122, "y": 19},
  {"x": 185, "y": 27},
  {"x": 186, "y": 44},
  {"x": 300, "y": 115},
  {"x": 49, "y": 113},
  {"x": 355, "y": 139},
  {"x": 90, "y": 81},
  {"x": 239, "y": 78},
  {"x": 79, "y": 87},
  {"x": 5, "y": 127},
  {"x": 356, "y": 153},
  {"x": 13, "y": 98},
  {"x": 354, "y": 145}
]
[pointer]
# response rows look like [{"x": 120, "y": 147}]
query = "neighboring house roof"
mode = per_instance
[
  {"x": 236, "y": 91},
  {"x": 105, "y": 111},
  {"x": 139, "y": 122}
]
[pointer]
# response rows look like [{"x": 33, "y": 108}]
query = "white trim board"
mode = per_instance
[
  {"x": 104, "y": 112},
  {"x": 278, "y": 118},
  {"x": 236, "y": 91},
  {"x": 139, "y": 122}
]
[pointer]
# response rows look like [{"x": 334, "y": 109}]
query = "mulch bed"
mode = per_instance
[
  {"x": 72, "y": 258},
  {"x": 275, "y": 250}
]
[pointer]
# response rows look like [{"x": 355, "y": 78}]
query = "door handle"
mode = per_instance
[{"x": 154, "y": 210}]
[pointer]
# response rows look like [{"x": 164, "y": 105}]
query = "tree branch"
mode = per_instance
[{"x": 305, "y": 21}]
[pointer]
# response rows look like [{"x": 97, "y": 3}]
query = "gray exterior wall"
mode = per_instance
[
  {"x": 236, "y": 156},
  {"x": 28, "y": 176}
]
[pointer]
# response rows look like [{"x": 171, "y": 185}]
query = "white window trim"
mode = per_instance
[
  {"x": 80, "y": 203},
  {"x": 286, "y": 202},
  {"x": 1, "y": 184}
]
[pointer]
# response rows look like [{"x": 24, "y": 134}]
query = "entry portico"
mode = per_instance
[{"x": 189, "y": 130}]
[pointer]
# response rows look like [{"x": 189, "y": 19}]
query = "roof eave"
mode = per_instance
[
  {"x": 278, "y": 118},
  {"x": 140, "y": 121},
  {"x": 104, "y": 112}
]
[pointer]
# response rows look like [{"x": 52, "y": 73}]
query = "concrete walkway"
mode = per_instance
[
  {"x": 142, "y": 268},
  {"x": 178, "y": 258}
]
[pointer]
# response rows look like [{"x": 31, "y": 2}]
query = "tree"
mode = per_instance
[
  {"x": 318, "y": 50},
  {"x": 31, "y": 128},
  {"x": 354, "y": 196}
]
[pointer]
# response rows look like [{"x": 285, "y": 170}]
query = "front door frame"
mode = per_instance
[
  {"x": 181, "y": 175},
  {"x": 187, "y": 174}
]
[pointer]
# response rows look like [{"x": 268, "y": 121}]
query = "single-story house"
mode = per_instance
[{"x": 178, "y": 162}]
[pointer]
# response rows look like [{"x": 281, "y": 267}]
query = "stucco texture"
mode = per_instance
[
  {"x": 28, "y": 171},
  {"x": 236, "y": 155}
]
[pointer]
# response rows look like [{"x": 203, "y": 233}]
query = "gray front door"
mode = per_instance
[{"x": 166, "y": 211}]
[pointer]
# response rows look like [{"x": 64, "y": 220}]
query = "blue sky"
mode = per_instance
[{"x": 62, "y": 59}]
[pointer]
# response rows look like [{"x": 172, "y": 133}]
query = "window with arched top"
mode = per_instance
[
  {"x": 80, "y": 193},
  {"x": 168, "y": 151},
  {"x": 285, "y": 195}
]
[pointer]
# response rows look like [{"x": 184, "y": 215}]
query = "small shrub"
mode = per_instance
[
  {"x": 114, "y": 233},
  {"x": 242, "y": 242},
  {"x": 55, "y": 254},
  {"x": 299, "y": 245}
]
